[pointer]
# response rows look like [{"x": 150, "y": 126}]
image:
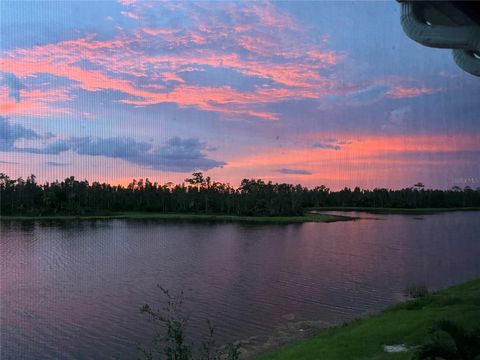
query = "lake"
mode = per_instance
[{"x": 72, "y": 290}]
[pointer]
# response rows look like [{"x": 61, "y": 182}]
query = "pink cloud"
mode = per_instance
[
  {"x": 398, "y": 92},
  {"x": 327, "y": 57},
  {"x": 224, "y": 100},
  {"x": 130, "y": 14},
  {"x": 299, "y": 79},
  {"x": 158, "y": 31},
  {"x": 241, "y": 28},
  {"x": 171, "y": 76},
  {"x": 270, "y": 16},
  {"x": 127, "y": 2},
  {"x": 255, "y": 44},
  {"x": 121, "y": 62},
  {"x": 367, "y": 160},
  {"x": 34, "y": 102}
]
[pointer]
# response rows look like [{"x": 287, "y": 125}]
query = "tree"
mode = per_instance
[
  {"x": 197, "y": 180},
  {"x": 419, "y": 186},
  {"x": 253, "y": 197}
]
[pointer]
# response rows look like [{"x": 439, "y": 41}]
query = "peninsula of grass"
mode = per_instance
[
  {"x": 190, "y": 217},
  {"x": 406, "y": 323},
  {"x": 380, "y": 210}
]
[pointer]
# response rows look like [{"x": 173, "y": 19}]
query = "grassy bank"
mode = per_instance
[
  {"x": 405, "y": 323},
  {"x": 413, "y": 211},
  {"x": 190, "y": 217}
]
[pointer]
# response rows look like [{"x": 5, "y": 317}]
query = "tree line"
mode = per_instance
[{"x": 199, "y": 194}]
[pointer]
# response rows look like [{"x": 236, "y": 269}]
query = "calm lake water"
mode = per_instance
[{"x": 73, "y": 290}]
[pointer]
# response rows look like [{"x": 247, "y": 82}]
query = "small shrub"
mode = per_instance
[
  {"x": 448, "y": 340},
  {"x": 416, "y": 291},
  {"x": 169, "y": 341},
  {"x": 419, "y": 303}
]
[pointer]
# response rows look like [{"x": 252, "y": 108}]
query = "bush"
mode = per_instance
[
  {"x": 169, "y": 342},
  {"x": 449, "y": 341},
  {"x": 416, "y": 291}
]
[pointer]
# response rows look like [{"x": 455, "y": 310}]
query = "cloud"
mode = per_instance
[
  {"x": 170, "y": 76},
  {"x": 176, "y": 155},
  {"x": 455, "y": 155},
  {"x": 13, "y": 84},
  {"x": 8, "y": 162},
  {"x": 56, "y": 164},
  {"x": 265, "y": 45},
  {"x": 183, "y": 155},
  {"x": 330, "y": 143},
  {"x": 368, "y": 94},
  {"x": 10, "y": 133},
  {"x": 130, "y": 14},
  {"x": 267, "y": 14},
  {"x": 115, "y": 147},
  {"x": 293, "y": 171},
  {"x": 397, "y": 118},
  {"x": 34, "y": 102},
  {"x": 399, "y": 92},
  {"x": 127, "y": 2}
]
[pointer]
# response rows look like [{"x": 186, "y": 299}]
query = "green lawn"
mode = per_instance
[
  {"x": 406, "y": 323},
  {"x": 415, "y": 211},
  {"x": 190, "y": 217}
]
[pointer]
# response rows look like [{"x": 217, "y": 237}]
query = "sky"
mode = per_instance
[{"x": 317, "y": 93}]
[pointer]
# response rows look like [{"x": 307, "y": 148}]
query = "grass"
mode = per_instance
[
  {"x": 190, "y": 217},
  {"x": 379, "y": 210},
  {"x": 406, "y": 323}
]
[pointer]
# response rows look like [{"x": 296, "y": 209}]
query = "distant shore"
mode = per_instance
[
  {"x": 190, "y": 217},
  {"x": 379, "y": 210},
  {"x": 313, "y": 214}
]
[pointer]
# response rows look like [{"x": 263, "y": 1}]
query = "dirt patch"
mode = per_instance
[{"x": 292, "y": 331}]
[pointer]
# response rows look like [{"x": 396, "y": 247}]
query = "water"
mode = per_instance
[{"x": 73, "y": 290}]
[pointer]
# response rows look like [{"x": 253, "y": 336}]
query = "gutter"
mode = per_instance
[{"x": 465, "y": 40}]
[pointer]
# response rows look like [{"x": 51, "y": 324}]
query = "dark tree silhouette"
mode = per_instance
[{"x": 200, "y": 194}]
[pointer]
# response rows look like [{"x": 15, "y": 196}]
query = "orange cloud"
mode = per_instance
[
  {"x": 365, "y": 160},
  {"x": 363, "y": 144}
]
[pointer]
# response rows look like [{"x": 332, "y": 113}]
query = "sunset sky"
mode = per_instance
[{"x": 314, "y": 93}]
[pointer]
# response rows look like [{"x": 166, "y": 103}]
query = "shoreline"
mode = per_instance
[
  {"x": 312, "y": 214},
  {"x": 404, "y": 324},
  {"x": 379, "y": 210},
  {"x": 320, "y": 218}
]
